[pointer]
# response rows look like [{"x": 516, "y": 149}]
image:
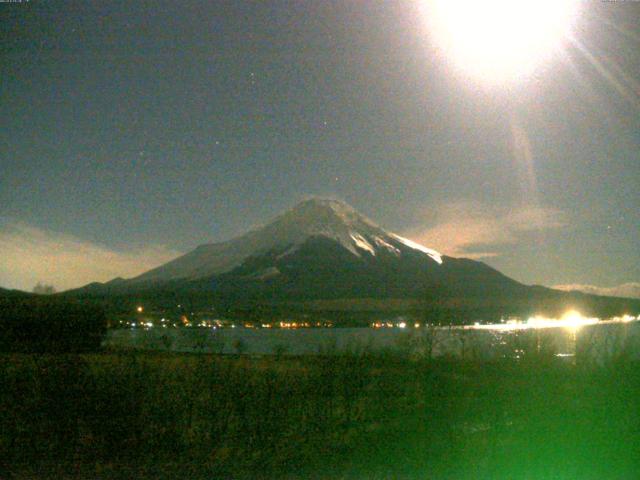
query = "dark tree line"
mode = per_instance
[{"x": 38, "y": 325}]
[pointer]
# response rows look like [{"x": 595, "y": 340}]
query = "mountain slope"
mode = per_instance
[{"x": 324, "y": 251}]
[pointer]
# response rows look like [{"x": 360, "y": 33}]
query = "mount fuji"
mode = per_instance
[{"x": 323, "y": 255}]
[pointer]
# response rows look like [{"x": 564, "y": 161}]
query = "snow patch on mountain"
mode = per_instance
[
  {"x": 416, "y": 246},
  {"x": 381, "y": 243},
  {"x": 362, "y": 243}
]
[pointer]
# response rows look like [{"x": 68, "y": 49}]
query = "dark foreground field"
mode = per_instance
[{"x": 359, "y": 416}]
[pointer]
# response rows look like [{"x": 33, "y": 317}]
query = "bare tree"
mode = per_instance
[{"x": 44, "y": 289}]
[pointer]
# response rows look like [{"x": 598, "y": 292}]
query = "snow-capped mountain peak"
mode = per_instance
[{"x": 325, "y": 218}]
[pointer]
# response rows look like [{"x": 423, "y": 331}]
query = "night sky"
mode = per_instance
[{"x": 135, "y": 131}]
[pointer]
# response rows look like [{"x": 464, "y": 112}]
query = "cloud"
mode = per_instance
[
  {"x": 473, "y": 230},
  {"x": 629, "y": 290},
  {"x": 31, "y": 255}
]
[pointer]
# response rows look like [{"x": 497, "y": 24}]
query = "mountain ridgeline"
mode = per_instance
[{"x": 323, "y": 256}]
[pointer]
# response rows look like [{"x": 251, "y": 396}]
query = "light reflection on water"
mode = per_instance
[{"x": 565, "y": 337}]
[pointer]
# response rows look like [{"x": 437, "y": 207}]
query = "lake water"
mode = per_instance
[{"x": 595, "y": 341}]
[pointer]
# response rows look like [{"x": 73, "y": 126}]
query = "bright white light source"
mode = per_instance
[
  {"x": 625, "y": 318},
  {"x": 574, "y": 320},
  {"x": 500, "y": 39}
]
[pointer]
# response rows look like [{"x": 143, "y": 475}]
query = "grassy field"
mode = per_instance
[{"x": 357, "y": 416}]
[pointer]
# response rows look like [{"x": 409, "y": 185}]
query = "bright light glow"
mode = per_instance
[
  {"x": 402, "y": 325},
  {"x": 500, "y": 39},
  {"x": 139, "y": 309},
  {"x": 574, "y": 320},
  {"x": 571, "y": 320}
]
